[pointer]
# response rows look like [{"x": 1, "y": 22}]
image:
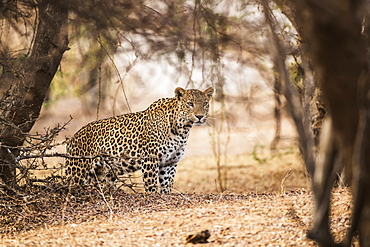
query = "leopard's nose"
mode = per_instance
[{"x": 199, "y": 117}]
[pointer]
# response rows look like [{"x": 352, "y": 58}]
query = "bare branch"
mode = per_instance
[{"x": 294, "y": 104}]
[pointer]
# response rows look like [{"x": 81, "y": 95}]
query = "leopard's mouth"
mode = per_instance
[
  {"x": 199, "y": 122},
  {"x": 196, "y": 121}
]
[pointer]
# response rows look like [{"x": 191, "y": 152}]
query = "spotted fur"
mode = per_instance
[{"x": 152, "y": 141}]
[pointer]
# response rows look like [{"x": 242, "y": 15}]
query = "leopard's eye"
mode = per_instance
[
  {"x": 205, "y": 104},
  {"x": 190, "y": 104}
]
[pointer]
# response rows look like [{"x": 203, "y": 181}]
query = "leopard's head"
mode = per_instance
[{"x": 194, "y": 104}]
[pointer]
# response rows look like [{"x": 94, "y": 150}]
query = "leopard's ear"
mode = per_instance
[
  {"x": 179, "y": 92},
  {"x": 209, "y": 91}
]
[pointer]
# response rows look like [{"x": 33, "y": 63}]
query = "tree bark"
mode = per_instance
[
  {"x": 21, "y": 104},
  {"x": 333, "y": 31}
]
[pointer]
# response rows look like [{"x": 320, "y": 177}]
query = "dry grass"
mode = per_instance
[
  {"x": 265, "y": 216},
  {"x": 244, "y": 173},
  {"x": 269, "y": 219}
]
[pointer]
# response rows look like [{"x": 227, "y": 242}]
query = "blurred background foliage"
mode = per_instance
[
  {"x": 123, "y": 54},
  {"x": 108, "y": 38}
]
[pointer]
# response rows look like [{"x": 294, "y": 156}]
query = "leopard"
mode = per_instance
[{"x": 152, "y": 140}]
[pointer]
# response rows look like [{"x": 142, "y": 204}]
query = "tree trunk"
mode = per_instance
[
  {"x": 333, "y": 31},
  {"x": 21, "y": 103}
]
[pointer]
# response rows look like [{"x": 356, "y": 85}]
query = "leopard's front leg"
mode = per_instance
[
  {"x": 150, "y": 171},
  {"x": 166, "y": 177}
]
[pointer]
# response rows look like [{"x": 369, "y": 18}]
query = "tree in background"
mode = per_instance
[{"x": 25, "y": 79}]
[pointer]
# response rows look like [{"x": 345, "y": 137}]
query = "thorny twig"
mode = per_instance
[{"x": 39, "y": 146}]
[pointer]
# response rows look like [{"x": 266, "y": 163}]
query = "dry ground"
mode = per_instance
[
  {"x": 266, "y": 219},
  {"x": 276, "y": 211}
]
